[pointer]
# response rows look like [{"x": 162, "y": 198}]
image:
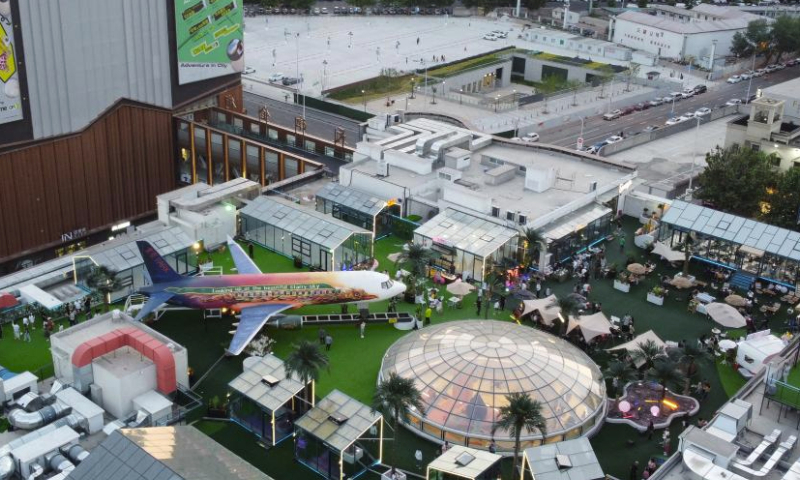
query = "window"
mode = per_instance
[
  {"x": 510, "y": 216},
  {"x": 755, "y": 147},
  {"x": 273, "y": 134},
  {"x": 290, "y": 139},
  {"x": 311, "y": 146},
  {"x": 522, "y": 219},
  {"x": 255, "y": 128},
  {"x": 329, "y": 151},
  {"x": 495, "y": 212}
]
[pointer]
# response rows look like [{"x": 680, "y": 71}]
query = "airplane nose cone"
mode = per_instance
[{"x": 399, "y": 288}]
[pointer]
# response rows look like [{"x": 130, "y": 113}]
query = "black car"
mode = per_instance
[
  {"x": 749, "y": 99},
  {"x": 700, "y": 89},
  {"x": 290, "y": 80}
]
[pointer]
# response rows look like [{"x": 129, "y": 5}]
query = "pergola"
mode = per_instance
[
  {"x": 340, "y": 437},
  {"x": 265, "y": 401},
  {"x": 464, "y": 462}
]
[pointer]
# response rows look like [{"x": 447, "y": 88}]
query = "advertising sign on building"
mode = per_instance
[
  {"x": 10, "y": 98},
  {"x": 210, "y": 38}
]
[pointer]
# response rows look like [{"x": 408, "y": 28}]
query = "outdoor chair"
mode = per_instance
[{"x": 762, "y": 447}]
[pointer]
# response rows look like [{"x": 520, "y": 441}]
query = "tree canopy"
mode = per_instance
[
  {"x": 768, "y": 39},
  {"x": 736, "y": 180}
]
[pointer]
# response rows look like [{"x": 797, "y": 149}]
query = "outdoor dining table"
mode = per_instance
[{"x": 705, "y": 298}]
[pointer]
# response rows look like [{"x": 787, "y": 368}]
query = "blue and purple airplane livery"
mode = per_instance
[{"x": 257, "y": 296}]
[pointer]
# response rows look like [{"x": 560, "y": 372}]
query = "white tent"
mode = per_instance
[
  {"x": 545, "y": 307},
  {"x": 668, "y": 254},
  {"x": 757, "y": 351},
  {"x": 591, "y": 325},
  {"x": 640, "y": 340},
  {"x": 725, "y": 315}
]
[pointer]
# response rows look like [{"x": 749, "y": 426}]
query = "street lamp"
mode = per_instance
[
  {"x": 433, "y": 90},
  {"x": 750, "y": 80},
  {"x": 460, "y": 95},
  {"x": 324, "y": 73},
  {"x": 412, "y": 87},
  {"x": 672, "y": 111},
  {"x": 694, "y": 151},
  {"x": 364, "y": 96},
  {"x": 580, "y": 138},
  {"x": 496, "y": 100}
]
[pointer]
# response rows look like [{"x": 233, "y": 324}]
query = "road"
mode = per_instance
[
  {"x": 319, "y": 124},
  {"x": 595, "y": 129}
]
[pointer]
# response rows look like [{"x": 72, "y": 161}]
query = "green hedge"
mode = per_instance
[{"x": 335, "y": 108}]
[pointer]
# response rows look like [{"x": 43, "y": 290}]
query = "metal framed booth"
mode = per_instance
[
  {"x": 339, "y": 438},
  {"x": 567, "y": 460},
  {"x": 358, "y": 208},
  {"x": 317, "y": 239},
  {"x": 459, "y": 463},
  {"x": 265, "y": 401},
  {"x": 753, "y": 248}
]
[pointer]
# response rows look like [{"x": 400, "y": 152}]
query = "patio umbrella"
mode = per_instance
[
  {"x": 725, "y": 315},
  {"x": 681, "y": 282},
  {"x": 726, "y": 344},
  {"x": 637, "y": 269},
  {"x": 735, "y": 300},
  {"x": 7, "y": 300},
  {"x": 460, "y": 288}
]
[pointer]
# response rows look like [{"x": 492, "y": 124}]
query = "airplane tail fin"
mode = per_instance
[{"x": 157, "y": 267}]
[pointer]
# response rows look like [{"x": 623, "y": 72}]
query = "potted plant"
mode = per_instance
[
  {"x": 298, "y": 262},
  {"x": 217, "y": 408},
  {"x": 622, "y": 282},
  {"x": 656, "y": 296},
  {"x": 204, "y": 261}
]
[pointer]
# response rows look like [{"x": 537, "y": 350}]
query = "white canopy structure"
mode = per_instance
[
  {"x": 662, "y": 249},
  {"x": 545, "y": 306},
  {"x": 638, "y": 341},
  {"x": 725, "y": 315},
  {"x": 591, "y": 325}
]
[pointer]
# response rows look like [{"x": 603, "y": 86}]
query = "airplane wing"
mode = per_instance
[
  {"x": 250, "y": 322},
  {"x": 244, "y": 264},
  {"x": 155, "y": 301}
]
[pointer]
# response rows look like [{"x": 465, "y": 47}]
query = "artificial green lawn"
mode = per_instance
[{"x": 354, "y": 362}]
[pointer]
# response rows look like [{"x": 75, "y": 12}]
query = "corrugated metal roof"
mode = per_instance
[
  {"x": 743, "y": 231},
  {"x": 574, "y": 221},
  {"x": 317, "y": 421},
  {"x": 695, "y": 26},
  {"x": 352, "y": 198},
  {"x": 309, "y": 224},
  {"x": 119, "y": 458},
  {"x": 579, "y": 451}
]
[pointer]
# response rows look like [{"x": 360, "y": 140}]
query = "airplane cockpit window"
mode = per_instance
[{"x": 387, "y": 284}]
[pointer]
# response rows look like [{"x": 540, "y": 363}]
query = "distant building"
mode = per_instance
[{"x": 677, "y": 33}]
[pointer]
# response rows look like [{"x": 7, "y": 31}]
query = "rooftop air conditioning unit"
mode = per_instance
[
  {"x": 464, "y": 459},
  {"x": 563, "y": 462},
  {"x": 382, "y": 167},
  {"x": 338, "y": 418},
  {"x": 269, "y": 380}
]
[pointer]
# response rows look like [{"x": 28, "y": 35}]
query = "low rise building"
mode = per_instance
[
  {"x": 767, "y": 129},
  {"x": 701, "y": 33}
]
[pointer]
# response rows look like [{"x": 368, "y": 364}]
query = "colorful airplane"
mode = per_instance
[{"x": 257, "y": 296}]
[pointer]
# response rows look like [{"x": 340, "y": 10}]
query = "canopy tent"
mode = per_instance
[
  {"x": 661, "y": 249},
  {"x": 546, "y": 307},
  {"x": 725, "y": 315},
  {"x": 640, "y": 340},
  {"x": 591, "y": 325},
  {"x": 459, "y": 288}
]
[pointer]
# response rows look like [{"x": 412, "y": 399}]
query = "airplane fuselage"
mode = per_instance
[{"x": 298, "y": 289}]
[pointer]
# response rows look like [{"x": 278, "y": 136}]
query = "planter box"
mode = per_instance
[
  {"x": 622, "y": 287},
  {"x": 655, "y": 299},
  {"x": 206, "y": 266}
]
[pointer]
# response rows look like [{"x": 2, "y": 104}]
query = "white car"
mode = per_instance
[
  {"x": 675, "y": 120},
  {"x": 759, "y": 73},
  {"x": 747, "y": 75},
  {"x": 702, "y": 112},
  {"x": 613, "y": 139},
  {"x": 531, "y": 137},
  {"x": 490, "y": 36},
  {"x": 688, "y": 92},
  {"x": 734, "y": 79},
  {"x": 688, "y": 115},
  {"x": 733, "y": 101},
  {"x": 248, "y": 70},
  {"x": 276, "y": 77},
  {"x": 676, "y": 96},
  {"x": 499, "y": 33},
  {"x": 656, "y": 102}
]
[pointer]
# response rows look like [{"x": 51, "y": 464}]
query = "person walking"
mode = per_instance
[
  {"x": 418, "y": 458},
  {"x": 478, "y": 304},
  {"x": 417, "y": 40},
  {"x": 26, "y": 335},
  {"x": 72, "y": 314},
  {"x": 634, "y": 471},
  {"x": 650, "y": 429},
  {"x": 328, "y": 342},
  {"x": 15, "y": 328},
  {"x": 362, "y": 327},
  {"x": 322, "y": 334},
  {"x": 538, "y": 289},
  {"x": 622, "y": 242},
  {"x": 251, "y": 250},
  {"x": 428, "y": 313}
]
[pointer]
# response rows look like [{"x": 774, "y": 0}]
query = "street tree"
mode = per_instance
[
  {"x": 735, "y": 180},
  {"x": 784, "y": 203},
  {"x": 741, "y": 46},
  {"x": 784, "y": 35}
]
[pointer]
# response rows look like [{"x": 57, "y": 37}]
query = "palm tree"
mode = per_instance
[
  {"x": 667, "y": 372},
  {"x": 495, "y": 279},
  {"x": 305, "y": 361},
  {"x": 533, "y": 242},
  {"x": 105, "y": 281},
  {"x": 688, "y": 357},
  {"x": 620, "y": 373},
  {"x": 418, "y": 256},
  {"x": 393, "y": 398},
  {"x": 569, "y": 306},
  {"x": 687, "y": 246},
  {"x": 647, "y": 352},
  {"x": 521, "y": 412}
]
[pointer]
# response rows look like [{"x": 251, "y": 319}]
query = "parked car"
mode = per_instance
[
  {"x": 700, "y": 89},
  {"x": 760, "y": 72},
  {"x": 733, "y": 101},
  {"x": 650, "y": 128},
  {"x": 613, "y": 139},
  {"x": 628, "y": 110},
  {"x": 770, "y": 68},
  {"x": 673, "y": 97},
  {"x": 595, "y": 149},
  {"x": 750, "y": 98},
  {"x": 531, "y": 137},
  {"x": 746, "y": 75},
  {"x": 612, "y": 115},
  {"x": 702, "y": 112},
  {"x": 675, "y": 120},
  {"x": 734, "y": 79},
  {"x": 656, "y": 102},
  {"x": 290, "y": 80},
  {"x": 490, "y": 36},
  {"x": 688, "y": 92},
  {"x": 275, "y": 77},
  {"x": 248, "y": 70},
  {"x": 316, "y": 11}
]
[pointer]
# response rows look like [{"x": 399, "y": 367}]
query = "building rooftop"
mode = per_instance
[
  {"x": 265, "y": 382},
  {"x": 466, "y": 232},
  {"x": 543, "y": 461},
  {"x": 740, "y": 230},
  {"x": 352, "y": 198},
  {"x": 788, "y": 89},
  {"x": 353, "y": 418},
  {"x": 313, "y": 226},
  {"x": 464, "y": 462},
  {"x": 689, "y": 27},
  {"x": 163, "y": 453}
]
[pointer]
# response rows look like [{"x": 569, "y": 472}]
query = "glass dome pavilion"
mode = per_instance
[{"x": 465, "y": 369}]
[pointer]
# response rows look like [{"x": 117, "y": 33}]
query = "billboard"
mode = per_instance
[
  {"x": 10, "y": 99},
  {"x": 209, "y": 34}
]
